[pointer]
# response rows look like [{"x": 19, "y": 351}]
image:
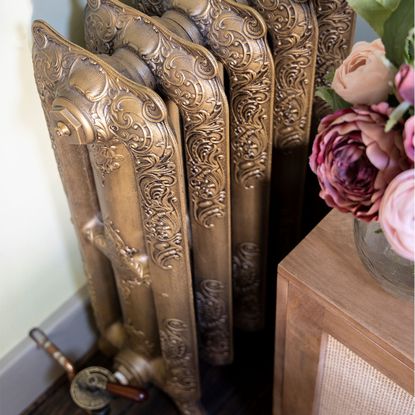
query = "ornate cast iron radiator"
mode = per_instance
[{"x": 163, "y": 133}]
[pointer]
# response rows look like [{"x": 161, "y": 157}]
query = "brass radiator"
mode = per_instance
[{"x": 163, "y": 132}]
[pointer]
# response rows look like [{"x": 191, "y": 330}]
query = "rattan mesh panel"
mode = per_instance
[{"x": 350, "y": 386}]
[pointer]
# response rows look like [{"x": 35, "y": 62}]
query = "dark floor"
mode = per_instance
[{"x": 243, "y": 388}]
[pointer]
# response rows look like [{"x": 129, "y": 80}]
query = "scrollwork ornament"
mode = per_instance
[
  {"x": 213, "y": 320},
  {"x": 246, "y": 283},
  {"x": 140, "y": 343},
  {"x": 153, "y": 7},
  {"x": 204, "y": 124},
  {"x": 118, "y": 110},
  {"x": 129, "y": 119},
  {"x": 106, "y": 158},
  {"x": 94, "y": 4},
  {"x": 156, "y": 178},
  {"x": 40, "y": 39},
  {"x": 99, "y": 28},
  {"x": 130, "y": 259},
  {"x": 336, "y": 28},
  {"x": 188, "y": 75},
  {"x": 294, "y": 34},
  {"x": 176, "y": 355},
  {"x": 237, "y": 36}
]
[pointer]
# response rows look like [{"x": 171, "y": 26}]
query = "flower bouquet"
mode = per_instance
[{"x": 363, "y": 154}]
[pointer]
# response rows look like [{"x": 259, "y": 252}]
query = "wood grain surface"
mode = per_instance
[
  {"x": 324, "y": 289},
  {"x": 326, "y": 262}
]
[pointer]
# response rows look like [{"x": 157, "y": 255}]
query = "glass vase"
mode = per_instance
[{"x": 394, "y": 273}]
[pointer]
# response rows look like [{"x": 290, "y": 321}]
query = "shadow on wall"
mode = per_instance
[
  {"x": 38, "y": 249},
  {"x": 66, "y": 16}
]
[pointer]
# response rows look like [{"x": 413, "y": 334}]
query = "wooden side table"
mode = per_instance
[{"x": 344, "y": 346}]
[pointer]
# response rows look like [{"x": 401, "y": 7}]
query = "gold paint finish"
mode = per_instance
[
  {"x": 236, "y": 35},
  {"x": 292, "y": 25},
  {"x": 336, "y": 24},
  {"x": 78, "y": 181},
  {"x": 118, "y": 147},
  {"x": 187, "y": 74},
  {"x": 150, "y": 258}
]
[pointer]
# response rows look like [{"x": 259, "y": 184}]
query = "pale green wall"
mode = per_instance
[{"x": 40, "y": 264}]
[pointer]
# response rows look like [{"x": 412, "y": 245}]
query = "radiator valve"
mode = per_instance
[{"x": 93, "y": 388}]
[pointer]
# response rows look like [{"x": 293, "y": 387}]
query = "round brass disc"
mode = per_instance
[{"x": 88, "y": 388}]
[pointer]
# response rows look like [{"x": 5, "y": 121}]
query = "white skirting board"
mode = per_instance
[{"x": 26, "y": 372}]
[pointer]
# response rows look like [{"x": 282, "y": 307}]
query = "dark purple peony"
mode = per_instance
[{"x": 355, "y": 159}]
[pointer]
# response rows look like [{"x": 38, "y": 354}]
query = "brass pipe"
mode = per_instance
[{"x": 40, "y": 338}]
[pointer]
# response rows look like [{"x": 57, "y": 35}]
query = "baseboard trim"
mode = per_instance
[{"x": 26, "y": 372}]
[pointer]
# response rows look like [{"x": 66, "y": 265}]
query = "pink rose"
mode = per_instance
[
  {"x": 409, "y": 138},
  {"x": 384, "y": 150},
  {"x": 363, "y": 77},
  {"x": 396, "y": 214},
  {"x": 355, "y": 159},
  {"x": 404, "y": 82}
]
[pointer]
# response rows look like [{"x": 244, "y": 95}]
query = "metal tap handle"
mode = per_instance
[
  {"x": 93, "y": 387},
  {"x": 127, "y": 392}
]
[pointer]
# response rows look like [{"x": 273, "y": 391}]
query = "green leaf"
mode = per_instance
[
  {"x": 375, "y": 12},
  {"x": 328, "y": 78},
  {"x": 409, "y": 47},
  {"x": 331, "y": 98},
  {"x": 396, "y": 31},
  {"x": 397, "y": 115}
]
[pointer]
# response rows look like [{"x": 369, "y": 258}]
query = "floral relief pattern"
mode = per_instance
[
  {"x": 137, "y": 117},
  {"x": 131, "y": 259},
  {"x": 238, "y": 38},
  {"x": 141, "y": 344},
  {"x": 188, "y": 76},
  {"x": 106, "y": 158},
  {"x": 293, "y": 28},
  {"x": 336, "y": 28},
  {"x": 213, "y": 320},
  {"x": 246, "y": 285},
  {"x": 176, "y": 353}
]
